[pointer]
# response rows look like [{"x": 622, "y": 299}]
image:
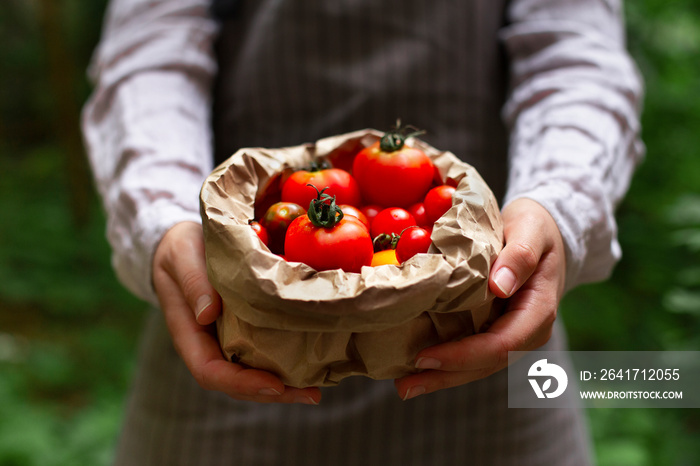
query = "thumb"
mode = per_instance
[
  {"x": 181, "y": 254},
  {"x": 525, "y": 242}
]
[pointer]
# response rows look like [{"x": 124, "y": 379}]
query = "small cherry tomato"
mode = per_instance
[
  {"x": 337, "y": 182},
  {"x": 260, "y": 231},
  {"x": 413, "y": 240},
  {"x": 391, "y": 220},
  {"x": 355, "y": 212},
  {"x": 371, "y": 211},
  {"x": 438, "y": 201},
  {"x": 418, "y": 212},
  {"x": 386, "y": 257},
  {"x": 276, "y": 221},
  {"x": 270, "y": 194}
]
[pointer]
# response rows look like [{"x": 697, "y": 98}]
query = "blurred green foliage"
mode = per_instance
[
  {"x": 652, "y": 301},
  {"x": 68, "y": 331}
]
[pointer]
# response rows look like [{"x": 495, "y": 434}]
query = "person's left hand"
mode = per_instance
[
  {"x": 530, "y": 272},
  {"x": 190, "y": 306}
]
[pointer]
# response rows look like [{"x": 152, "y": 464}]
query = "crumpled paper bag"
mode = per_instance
[{"x": 315, "y": 328}]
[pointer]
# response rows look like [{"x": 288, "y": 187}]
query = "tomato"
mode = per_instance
[
  {"x": 260, "y": 231},
  {"x": 418, "y": 212},
  {"x": 413, "y": 240},
  {"x": 385, "y": 257},
  {"x": 371, "y": 211},
  {"x": 390, "y": 173},
  {"x": 276, "y": 221},
  {"x": 270, "y": 194},
  {"x": 391, "y": 220},
  {"x": 438, "y": 201},
  {"x": 339, "y": 183},
  {"x": 355, "y": 212},
  {"x": 327, "y": 239}
]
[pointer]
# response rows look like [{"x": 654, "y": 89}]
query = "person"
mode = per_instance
[{"x": 539, "y": 95}]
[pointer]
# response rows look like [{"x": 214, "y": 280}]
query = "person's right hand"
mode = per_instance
[{"x": 190, "y": 306}]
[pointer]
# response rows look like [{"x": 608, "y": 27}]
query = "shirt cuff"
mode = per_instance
[
  {"x": 134, "y": 266},
  {"x": 588, "y": 230}
]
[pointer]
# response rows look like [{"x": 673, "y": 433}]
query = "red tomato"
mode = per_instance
[
  {"x": 345, "y": 244},
  {"x": 260, "y": 231},
  {"x": 276, "y": 221},
  {"x": 392, "y": 174},
  {"x": 355, "y": 212},
  {"x": 391, "y": 220},
  {"x": 270, "y": 194},
  {"x": 438, "y": 201},
  {"x": 339, "y": 183},
  {"x": 371, "y": 211},
  {"x": 418, "y": 212},
  {"x": 385, "y": 257},
  {"x": 413, "y": 240}
]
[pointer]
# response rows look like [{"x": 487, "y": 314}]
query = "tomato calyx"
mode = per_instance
[
  {"x": 317, "y": 165},
  {"x": 394, "y": 140},
  {"x": 323, "y": 211},
  {"x": 385, "y": 241}
]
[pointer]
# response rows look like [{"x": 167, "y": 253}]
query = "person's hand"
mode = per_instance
[
  {"x": 190, "y": 305},
  {"x": 530, "y": 271}
]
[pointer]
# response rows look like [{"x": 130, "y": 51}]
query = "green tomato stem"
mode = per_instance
[
  {"x": 323, "y": 211},
  {"x": 394, "y": 140}
]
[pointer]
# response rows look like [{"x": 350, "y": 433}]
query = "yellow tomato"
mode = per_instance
[{"x": 388, "y": 256}]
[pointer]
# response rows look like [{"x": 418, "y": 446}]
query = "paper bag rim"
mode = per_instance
[{"x": 280, "y": 294}]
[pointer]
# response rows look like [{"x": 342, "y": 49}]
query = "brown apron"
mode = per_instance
[{"x": 297, "y": 71}]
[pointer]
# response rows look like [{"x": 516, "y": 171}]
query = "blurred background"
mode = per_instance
[{"x": 68, "y": 330}]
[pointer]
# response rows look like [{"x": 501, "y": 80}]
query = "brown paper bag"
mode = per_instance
[{"x": 316, "y": 328}]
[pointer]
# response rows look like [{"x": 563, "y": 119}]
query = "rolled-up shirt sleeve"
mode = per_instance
[
  {"x": 146, "y": 125},
  {"x": 573, "y": 113}
]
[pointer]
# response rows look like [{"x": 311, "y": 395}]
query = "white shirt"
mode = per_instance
[{"x": 573, "y": 113}]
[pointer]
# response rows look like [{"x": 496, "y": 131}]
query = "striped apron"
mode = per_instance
[{"x": 296, "y": 71}]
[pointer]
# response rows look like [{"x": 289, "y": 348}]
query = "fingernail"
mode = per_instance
[
  {"x": 428, "y": 363},
  {"x": 268, "y": 391},
  {"x": 413, "y": 392},
  {"x": 505, "y": 280},
  {"x": 307, "y": 400},
  {"x": 202, "y": 303}
]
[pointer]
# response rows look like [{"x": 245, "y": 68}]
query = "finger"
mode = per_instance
[
  {"x": 412, "y": 386},
  {"x": 473, "y": 357},
  {"x": 529, "y": 232},
  {"x": 525, "y": 326},
  {"x": 516, "y": 262},
  {"x": 186, "y": 264},
  {"x": 202, "y": 355},
  {"x": 519, "y": 329}
]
